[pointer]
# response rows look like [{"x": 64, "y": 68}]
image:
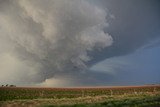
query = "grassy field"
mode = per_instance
[{"x": 133, "y": 96}]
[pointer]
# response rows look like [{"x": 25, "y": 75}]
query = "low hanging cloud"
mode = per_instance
[{"x": 41, "y": 41}]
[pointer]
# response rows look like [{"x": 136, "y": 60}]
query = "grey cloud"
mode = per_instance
[
  {"x": 55, "y": 41},
  {"x": 42, "y": 39},
  {"x": 136, "y": 24}
]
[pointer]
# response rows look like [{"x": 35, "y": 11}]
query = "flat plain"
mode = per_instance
[{"x": 116, "y": 96}]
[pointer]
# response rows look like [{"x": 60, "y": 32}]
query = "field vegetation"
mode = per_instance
[{"x": 131, "y": 96}]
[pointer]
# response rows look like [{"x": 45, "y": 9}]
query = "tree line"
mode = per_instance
[{"x": 7, "y": 85}]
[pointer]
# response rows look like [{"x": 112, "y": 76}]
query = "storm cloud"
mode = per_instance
[
  {"x": 58, "y": 42},
  {"x": 47, "y": 39},
  {"x": 135, "y": 25}
]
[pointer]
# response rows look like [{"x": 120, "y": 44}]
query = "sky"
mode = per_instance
[{"x": 70, "y": 43}]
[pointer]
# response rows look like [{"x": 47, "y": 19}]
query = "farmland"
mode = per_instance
[{"x": 88, "y": 96}]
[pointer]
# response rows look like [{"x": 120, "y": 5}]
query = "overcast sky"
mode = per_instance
[{"x": 62, "y": 43}]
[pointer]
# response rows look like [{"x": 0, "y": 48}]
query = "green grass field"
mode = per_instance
[{"x": 135, "y": 96}]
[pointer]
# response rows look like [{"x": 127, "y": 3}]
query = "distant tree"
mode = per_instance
[
  {"x": 6, "y": 85},
  {"x": 12, "y": 86}
]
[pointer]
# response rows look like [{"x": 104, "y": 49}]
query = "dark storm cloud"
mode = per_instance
[
  {"x": 53, "y": 42},
  {"x": 136, "y": 24},
  {"x": 43, "y": 41}
]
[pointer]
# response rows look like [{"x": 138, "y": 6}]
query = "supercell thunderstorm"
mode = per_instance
[{"x": 43, "y": 41}]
